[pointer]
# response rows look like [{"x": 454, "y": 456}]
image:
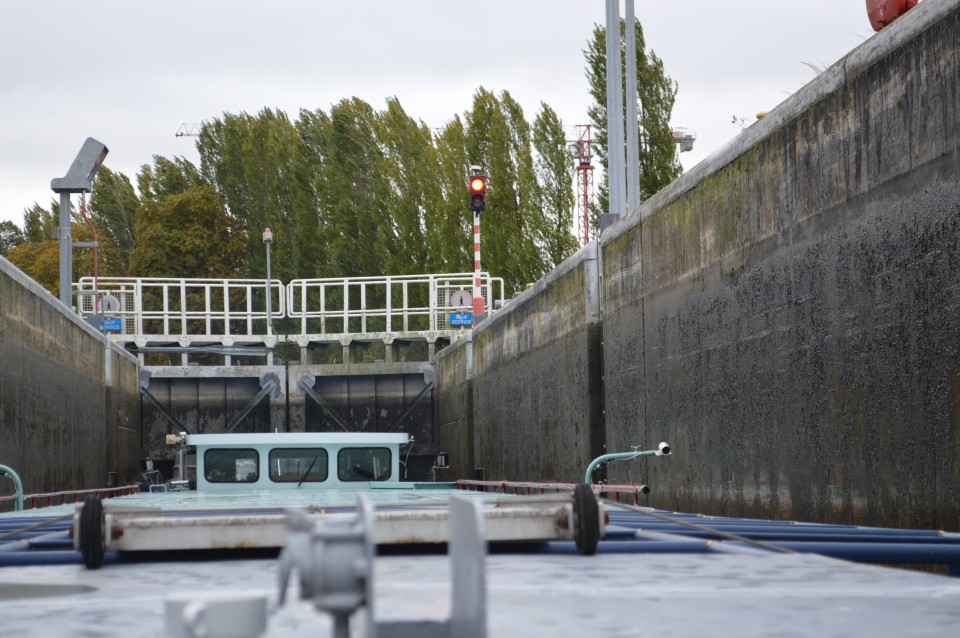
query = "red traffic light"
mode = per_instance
[{"x": 478, "y": 185}]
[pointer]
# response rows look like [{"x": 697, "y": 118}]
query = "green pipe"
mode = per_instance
[
  {"x": 662, "y": 450},
  {"x": 18, "y": 507}
]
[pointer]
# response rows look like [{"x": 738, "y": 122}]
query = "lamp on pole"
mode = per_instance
[
  {"x": 267, "y": 240},
  {"x": 79, "y": 179}
]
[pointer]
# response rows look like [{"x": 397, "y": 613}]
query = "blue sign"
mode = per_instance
[
  {"x": 112, "y": 324},
  {"x": 461, "y": 319}
]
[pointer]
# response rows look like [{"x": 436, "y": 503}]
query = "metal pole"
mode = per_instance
[
  {"x": 268, "y": 239},
  {"x": 633, "y": 133},
  {"x": 477, "y": 296},
  {"x": 66, "y": 252},
  {"x": 615, "y": 157}
]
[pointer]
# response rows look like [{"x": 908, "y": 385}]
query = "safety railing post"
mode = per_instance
[{"x": 389, "y": 303}]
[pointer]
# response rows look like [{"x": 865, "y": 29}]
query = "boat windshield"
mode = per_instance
[
  {"x": 364, "y": 464},
  {"x": 298, "y": 464}
]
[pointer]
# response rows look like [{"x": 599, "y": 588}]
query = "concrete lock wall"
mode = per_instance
[
  {"x": 69, "y": 405},
  {"x": 798, "y": 306},
  {"x": 531, "y": 369},
  {"x": 785, "y": 315}
]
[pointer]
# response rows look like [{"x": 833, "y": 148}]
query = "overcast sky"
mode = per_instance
[{"x": 130, "y": 72}]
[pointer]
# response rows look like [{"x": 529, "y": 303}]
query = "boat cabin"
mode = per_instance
[{"x": 291, "y": 460}]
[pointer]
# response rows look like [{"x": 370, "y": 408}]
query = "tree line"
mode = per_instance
[{"x": 352, "y": 191}]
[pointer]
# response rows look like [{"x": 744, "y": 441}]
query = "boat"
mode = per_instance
[{"x": 281, "y": 534}]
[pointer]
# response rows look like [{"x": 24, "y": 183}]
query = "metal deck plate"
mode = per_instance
[{"x": 675, "y": 595}]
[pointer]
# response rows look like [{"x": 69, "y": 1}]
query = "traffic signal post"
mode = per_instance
[{"x": 478, "y": 193}]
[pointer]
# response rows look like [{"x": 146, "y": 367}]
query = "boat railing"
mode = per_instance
[
  {"x": 630, "y": 494},
  {"x": 49, "y": 499}
]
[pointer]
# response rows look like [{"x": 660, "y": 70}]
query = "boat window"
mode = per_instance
[
  {"x": 298, "y": 464},
  {"x": 364, "y": 464},
  {"x": 231, "y": 465}
]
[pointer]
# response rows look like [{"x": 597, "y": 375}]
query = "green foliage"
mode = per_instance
[
  {"x": 187, "y": 235},
  {"x": 555, "y": 197},
  {"x": 257, "y": 166},
  {"x": 39, "y": 223},
  {"x": 10, "y": 236},
  {"x": 167, "y": 177},
  {"x": 40, "y": 260},
  {"x": 113, "y": 208},
  {"x": 656, "y": 93}
]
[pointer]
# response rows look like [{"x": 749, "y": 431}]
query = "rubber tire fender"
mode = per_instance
[
  {"x": 91, "y": 532},
  {"x": 586, "y": 517}
]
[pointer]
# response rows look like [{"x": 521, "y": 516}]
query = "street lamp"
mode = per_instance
[
  {"x": 268, "y": 239},
  {"x": 79, "y": 179}
]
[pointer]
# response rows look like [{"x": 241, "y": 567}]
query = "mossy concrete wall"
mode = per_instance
[
  {"x": 69, "y": 401},
  {"x": 786, "y": 315},
  {"x": 798, "y": 302},
  {"x": 531, "y": 374}
]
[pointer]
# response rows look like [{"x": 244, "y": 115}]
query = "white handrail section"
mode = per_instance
[
  {"x": 195, "y": 307},
  {"x": 407, "y": 303},
  {"x": 226, "y": 308}
]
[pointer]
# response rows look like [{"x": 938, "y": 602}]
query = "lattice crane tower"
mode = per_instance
[{"x": 582, "y": 150}]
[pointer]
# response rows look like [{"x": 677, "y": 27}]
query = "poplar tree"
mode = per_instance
[
  {"x": 409, "y": 188},
  {"x": 555, "y": 196},
  {"x": 450, "y": 220},
  {"x": 354, "y": 242},
  {"x": 113, "y": 209}
]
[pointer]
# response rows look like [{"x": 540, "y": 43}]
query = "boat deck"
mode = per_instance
[{"x": 655, "y": 573}]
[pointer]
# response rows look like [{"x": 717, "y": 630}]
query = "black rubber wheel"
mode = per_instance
[
  {"x": 586, "y": 517},
  {"x": 91, "y": 532}
]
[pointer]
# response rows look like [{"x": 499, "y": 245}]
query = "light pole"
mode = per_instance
[
  {"x": 268, "y": 239},
  {"x": 79, "y": 179}
]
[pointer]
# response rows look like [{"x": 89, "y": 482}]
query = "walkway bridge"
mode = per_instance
[{"x": 233, "y": 317}]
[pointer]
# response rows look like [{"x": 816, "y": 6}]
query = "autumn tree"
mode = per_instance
[
  {"x": 187, "y": 235},
  {"x": 40, "y": 260}
]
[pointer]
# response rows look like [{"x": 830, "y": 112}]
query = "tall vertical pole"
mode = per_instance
[
  {"x": 477, "y": 295},
  {"x": 66, "y": 252},
  {"x": 633, "y": 133},
  {"x": 615, "y": 157},
  {"x": 268, "y": 239},
  {"x": 269, "y": 295}
]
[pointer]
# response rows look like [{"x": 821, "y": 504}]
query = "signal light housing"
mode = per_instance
[{"x": 478, "y": 193}]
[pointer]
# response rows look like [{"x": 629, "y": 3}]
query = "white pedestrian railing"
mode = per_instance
[
  {"x": 221, "y": 308},
  {"x": 414, "y": 303},
  {"x": 235, "y": 310}
]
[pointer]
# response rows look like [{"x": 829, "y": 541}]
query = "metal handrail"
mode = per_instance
[
  {"x": 225, "y": 308},
  {"x": 403, "y": 303},
  {"x": 182, "y": 306}
]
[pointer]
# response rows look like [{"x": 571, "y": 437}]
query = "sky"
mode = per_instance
[{"x": 130, "y": 72}]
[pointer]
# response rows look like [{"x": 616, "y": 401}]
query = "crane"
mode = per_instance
[{"x": 189, "y": 130}]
